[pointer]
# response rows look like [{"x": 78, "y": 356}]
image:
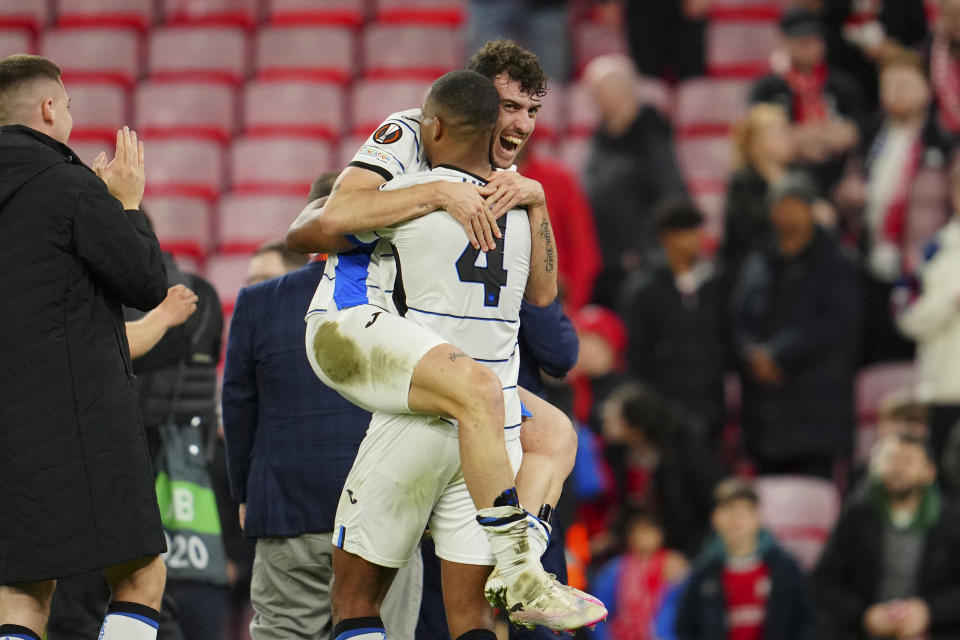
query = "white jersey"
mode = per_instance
[
  {"x": 468, "y": 297},
  {"x": 354, "y": 278}
]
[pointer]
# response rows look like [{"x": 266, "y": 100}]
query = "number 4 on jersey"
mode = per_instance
[{"x": 493, "y": 276}]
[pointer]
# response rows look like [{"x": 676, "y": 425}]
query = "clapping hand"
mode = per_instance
[{"x": 124, "y": 175}]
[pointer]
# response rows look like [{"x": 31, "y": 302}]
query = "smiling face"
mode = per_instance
[{"x": 518, "y": 113}]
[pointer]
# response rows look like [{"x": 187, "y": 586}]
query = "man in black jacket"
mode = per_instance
[
  {"x": 891, "y": 567},
  {"x": 632, "y": 165},
  {"x": 675, "y": 319},
  {"x": 794, "y": 320},
  {"x": 76, "y": 483}
]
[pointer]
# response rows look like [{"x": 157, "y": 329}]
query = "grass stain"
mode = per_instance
[{"x": 338, "y": 356}]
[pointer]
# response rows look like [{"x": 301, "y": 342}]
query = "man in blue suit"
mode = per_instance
[{"x": 290, "y": 443}]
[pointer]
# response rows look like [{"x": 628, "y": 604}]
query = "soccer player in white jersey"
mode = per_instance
[
  {"x": 407, "y": 473},
  {"x": 548, "y": 439}
]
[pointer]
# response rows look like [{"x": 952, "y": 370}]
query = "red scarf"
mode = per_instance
[
  {"x": 808, "y": 101},
  {"x": 894, "y": 220},
  {"x": 945, "y": 76},
  {"x": 639, "y": 594}
]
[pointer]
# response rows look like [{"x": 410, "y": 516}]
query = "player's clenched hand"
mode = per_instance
[
  {"x": 509, "y": 190},
  {"x": 124, "y": 175},
  {"x": 179, "y": 305},
  {"x": 464, "y": 202}
]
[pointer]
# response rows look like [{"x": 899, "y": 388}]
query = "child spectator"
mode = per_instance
[
  {"x": 640, "y": 587},
  {"x": 744, "y": 586}
]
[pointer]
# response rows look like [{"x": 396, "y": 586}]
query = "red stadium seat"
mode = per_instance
[
  {"x": 184, "y": 167},
  {"x": 98, "y": 110},
  {"x": 875, "y": 382},
  {"x": 278, "y": 165},
  {"x": 238, "y": 13},
  {"x": 706, "y": 162},
  {"x": 105, "y": 13},
  {"x": 348, "y": 148},
  {"x": 88, "y": 148},
  {"x": 30, "y": 14},
  {"x": 373, "y": 101},
  {"x": 391, "y": 52},
  {"x": 15, "y": 41},
  {"x": 800, "y": 512},
  {"x": 187, "y": 264},
  {"x": 247, "y": 221},
  {"x": 94, "y": 55},
  {"x": 305, "y": 53},
  {"x": 202, "y": 54},
  {"x": 709, "y": 107},
  {"x": 183, "y": 225},
  {"x": 350, "y": 13},
  {"x": 313, "y": 109},
  {"x": 185, "y": 109},
  {"x": 594, "y": 39},
  {"x": 443, "y": 12},
  {"x": 228, "y": 274},
  {"x": 582, "y": 116},
  {"x": 740, "y": 49}
]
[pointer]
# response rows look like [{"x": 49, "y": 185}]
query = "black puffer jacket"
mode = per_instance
[
  {"x": 805, "y": 312},
  {"x": 76, "y": 485}
]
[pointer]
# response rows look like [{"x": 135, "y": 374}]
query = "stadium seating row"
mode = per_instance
[
  {"x": 141, "y": 14},
  {"x": 224, "y": 54},
  {"x": 699, "y": 108},
  {"x": 336, "y": 53}
]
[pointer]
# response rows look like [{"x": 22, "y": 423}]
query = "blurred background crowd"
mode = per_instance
[{"x": 753, "y": 202}]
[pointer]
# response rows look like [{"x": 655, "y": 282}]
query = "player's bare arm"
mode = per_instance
[
  {"x": 306, "y": 234},
  {"x": 542, "y": 283},
  {"x": 356, "y": 205}
]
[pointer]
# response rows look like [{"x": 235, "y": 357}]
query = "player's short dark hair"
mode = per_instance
[
  {"x": 734, "y": 489},
  {"x": 16, "y": 72},
  {"x": 675, "y": 213},
  {"x": 506, "y": 56},
  {"x": 290, "y": 258},
  {"x": 466, "y": 101},
  {"x": 323, "y": 185}
]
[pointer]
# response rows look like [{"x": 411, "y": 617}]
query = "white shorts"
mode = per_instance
[
  {"x": 406, "y": 477},
  {"x": 368, "y": 355}
]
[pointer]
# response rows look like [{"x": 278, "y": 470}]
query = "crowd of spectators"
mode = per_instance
[{"x": 703, "y": 358}]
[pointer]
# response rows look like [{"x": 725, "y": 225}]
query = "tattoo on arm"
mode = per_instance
[
  {"x": 545, "y": 233},
  {"x": 456, "y": 355}
]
